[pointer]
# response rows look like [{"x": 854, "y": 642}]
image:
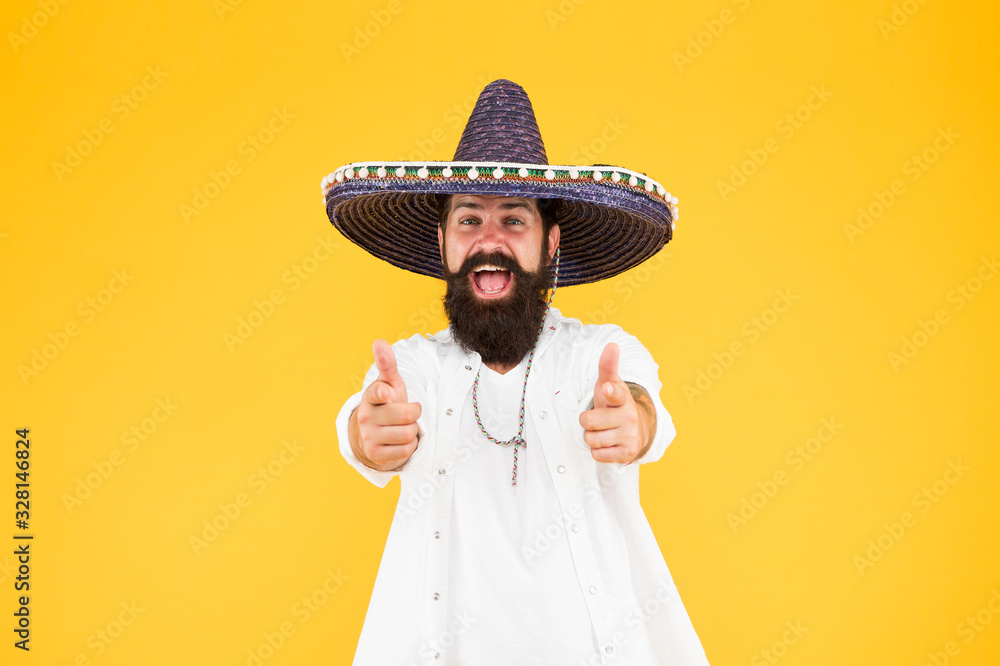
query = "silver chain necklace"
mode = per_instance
[{"x": 518, "y": 439}]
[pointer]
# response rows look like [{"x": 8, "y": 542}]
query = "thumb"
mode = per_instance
[
  {"x": 607, "y": 392},
  {"x": 607, "y": 367},
  {"x": 385, "y": 361}
]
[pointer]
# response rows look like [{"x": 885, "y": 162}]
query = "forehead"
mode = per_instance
[{"x": 492, "y": 201}]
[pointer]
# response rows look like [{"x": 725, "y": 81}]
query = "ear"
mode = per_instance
[{"x": 553, "y": 240}]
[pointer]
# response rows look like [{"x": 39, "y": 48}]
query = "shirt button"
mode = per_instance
[
  {"x": 609, "y": 649},
  {"x": 437, "y": 655},
  {"x": 592, "y": 590},
  {"x": 441, "y": 471},
  {"x": 448, "y": 412},
  {"x": 436, "y": 596},
  {"x": 575, "y": 528},
  {"x": 437, "y": 535},
  {"x": 561, "y": 469},
  {"x": 468, "y": 367},
  {"x": 544, "y": 415}
]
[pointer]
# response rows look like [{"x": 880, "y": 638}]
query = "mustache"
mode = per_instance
[{"x": 498, "y": 259}]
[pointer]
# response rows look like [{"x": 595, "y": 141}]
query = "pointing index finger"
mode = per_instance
[{"x": 615, "y": 394}]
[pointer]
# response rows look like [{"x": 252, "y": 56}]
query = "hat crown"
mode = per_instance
[{"x": 502, "y": 128}]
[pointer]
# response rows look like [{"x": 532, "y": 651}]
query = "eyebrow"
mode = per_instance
[{"x": 506, "y": 206}]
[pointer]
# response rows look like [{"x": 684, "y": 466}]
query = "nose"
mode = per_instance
[{"x": 490, "y": 236}]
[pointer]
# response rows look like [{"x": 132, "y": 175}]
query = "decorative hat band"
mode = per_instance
[{"x": 454, "y": 172}]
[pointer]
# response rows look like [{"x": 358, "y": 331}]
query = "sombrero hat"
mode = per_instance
[{"x": 611, "y": 219}]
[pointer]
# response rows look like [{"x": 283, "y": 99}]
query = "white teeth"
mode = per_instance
[{"x": 488, "y": 267}]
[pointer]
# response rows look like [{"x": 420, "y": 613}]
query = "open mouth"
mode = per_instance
[{"x": 491, "y": 281}]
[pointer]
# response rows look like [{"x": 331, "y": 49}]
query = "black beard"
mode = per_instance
[{"x": 504, "y": 330}]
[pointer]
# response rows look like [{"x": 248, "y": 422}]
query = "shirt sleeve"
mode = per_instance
[
  {"x": 407, "y": 364},
  {"x": 636, "y": 365}
]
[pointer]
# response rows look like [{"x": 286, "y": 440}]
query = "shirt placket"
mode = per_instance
[
  {"x": 457, "y": 376},
  {"x": 569, "y": 481}
]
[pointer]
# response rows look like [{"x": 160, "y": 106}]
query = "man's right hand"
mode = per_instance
[{"x": 383, "y": 428}]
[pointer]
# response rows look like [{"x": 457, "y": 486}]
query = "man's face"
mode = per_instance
[
  {"x": 496, "y": 256},
  {"x": 483, "y": 225}
]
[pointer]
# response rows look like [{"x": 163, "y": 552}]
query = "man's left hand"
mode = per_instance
[{"x": 617, "y": 429}]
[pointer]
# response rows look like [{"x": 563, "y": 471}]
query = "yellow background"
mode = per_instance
[{"x": 893, "y": 74}]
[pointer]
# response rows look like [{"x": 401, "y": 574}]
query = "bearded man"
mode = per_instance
[{"x": 516, "y": 433}]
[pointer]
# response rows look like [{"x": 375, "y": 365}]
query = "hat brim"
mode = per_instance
[{"x": 611, "y": 219}]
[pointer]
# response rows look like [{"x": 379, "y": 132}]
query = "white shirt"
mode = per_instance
[{"x": 562, "y": 568}]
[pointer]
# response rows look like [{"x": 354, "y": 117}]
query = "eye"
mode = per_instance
[
  {"x": 515, "y": 220},
  {"x": 468, "y": 220}
]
